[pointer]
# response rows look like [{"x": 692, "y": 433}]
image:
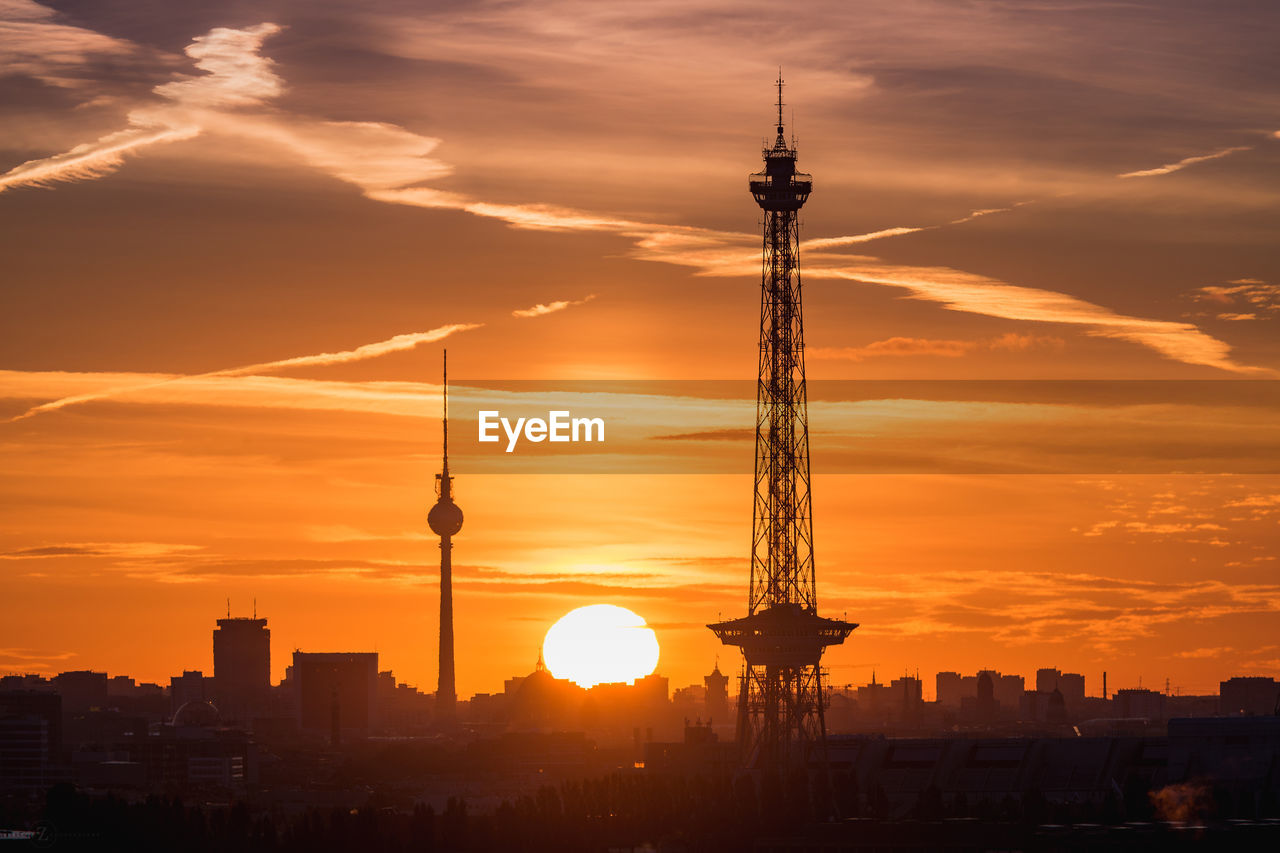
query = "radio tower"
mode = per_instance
[
  {"x": 782, "y": 637},
  {"x": 445, "y": 520}
]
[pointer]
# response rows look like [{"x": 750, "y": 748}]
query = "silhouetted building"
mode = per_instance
[
  {"x": 949, "y": 688},
  {"x": 717, "y": 695},
  {"x": 1069, "y": 684},
  {"x": 909, "y": 694},
  {"x": 1249, "y": 695},
  {"x": 875, "y": 701},
  {"x": 701, "y": 753},
  {"x": 1137, "y": 702},
  {"x": 986, "y": 697},
  {"x": 81, "y": 690},
  {"x": 191, "y": 686},
  {"x": 336, "y": 692},
  {"x": 30, "y": 739},
  {"x": 402, "y": 708},
  {"x": 241, "y": 667}
]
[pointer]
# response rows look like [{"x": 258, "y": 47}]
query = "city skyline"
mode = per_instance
[{"x": 239, "y": 236}]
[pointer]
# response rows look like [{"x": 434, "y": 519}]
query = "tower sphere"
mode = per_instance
[{"x": 445, "y": 518}]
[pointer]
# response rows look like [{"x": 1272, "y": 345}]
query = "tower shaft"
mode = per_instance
[
  {"x": 782, "y": 543},
  {"x": 780, "y": 712},
  {"x": 446, "y": 690}
]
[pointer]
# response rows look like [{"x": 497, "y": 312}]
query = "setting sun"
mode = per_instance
[{"x": 600, "y": 644}]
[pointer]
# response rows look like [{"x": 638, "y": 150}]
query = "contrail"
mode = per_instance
[
  {"x": 1184, "y": 163},
  {"x": 398, "y": 343},
  {"x": 544, "y": 308}
]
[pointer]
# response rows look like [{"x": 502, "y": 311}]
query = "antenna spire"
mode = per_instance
[
  {"x": 445, "y": 385},
  {"x": 779, "y": 99}
]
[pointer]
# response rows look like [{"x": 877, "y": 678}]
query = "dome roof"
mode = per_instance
[{"x": 197, "y": 712}]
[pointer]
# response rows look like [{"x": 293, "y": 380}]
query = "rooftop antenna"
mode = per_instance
[
  {"x": 255, "y": 608},
  {"x": 228, "y": 607}
]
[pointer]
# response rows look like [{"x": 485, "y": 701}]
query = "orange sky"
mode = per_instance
[{"x": 190, "y": 196}]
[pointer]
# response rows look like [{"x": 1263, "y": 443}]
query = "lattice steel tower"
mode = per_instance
[
  {"x": 780, "y": 702},
  {"x": 445, "y": 520}
]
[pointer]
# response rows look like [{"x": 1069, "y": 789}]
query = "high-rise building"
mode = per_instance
[
  {"x": 1047, "y": 680},
  {"x": 950, "y": 689},
  {"x": 30, "y": 739},
  {"x": 336, "y": 693},
  {"x": 1071, "y": 686},
  {"x": 241, "y": 667}
]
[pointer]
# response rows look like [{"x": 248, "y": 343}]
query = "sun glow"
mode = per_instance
[{"x": 600, "y": 644}]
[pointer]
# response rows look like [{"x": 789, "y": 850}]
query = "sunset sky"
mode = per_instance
[{"x": 236, "y": 235}]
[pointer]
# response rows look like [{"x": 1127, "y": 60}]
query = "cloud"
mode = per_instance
[
  {"x": 833, "y": 242},
  {"x": 1216, "y": 652},
  {"x": 1184, "y": 163},
  {"x": 542, "y": 309},
  {"x": 33, "y": 44},
  {"x": 385, "y": 161},
  {"x": 101, "y": 549},
  {"x": 1250, "y": 293},
  {"x": 398, "y": 343},
  {"x": 905, "y": 346},
  {"x": 235, "y": 76},
  {"x": 95, "y": 159}
]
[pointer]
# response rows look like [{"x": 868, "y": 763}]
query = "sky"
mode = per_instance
[{"x": 236, "y": 236}]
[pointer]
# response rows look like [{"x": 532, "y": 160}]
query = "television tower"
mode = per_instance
[
  {"x": 782, "y": 637},
  {"x": 445, "y": 520}
]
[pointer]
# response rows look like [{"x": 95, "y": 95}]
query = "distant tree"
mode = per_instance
[
  {"x": 422, "y": 827},
  {"x": 453, "y": 826}
]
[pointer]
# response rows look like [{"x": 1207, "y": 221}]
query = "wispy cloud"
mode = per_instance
[
  {"x": 906, "y": 346},
  {"x": 1252, "y": 294},
  {"x": 544, "y": 308},
  {"x": 236, "y": 75},
  {"x": 34, "y": 43},
  {"x": 1168, "y": 168},
  {"x": 834, "y": 242},
  {"x": 101, "y": 549},
  {"x": 398, "y": 343},
  {"x": 386, "y": 162},
  {"x": 236, "y": 79}
]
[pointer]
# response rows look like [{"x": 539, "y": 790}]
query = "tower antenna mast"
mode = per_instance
[
  {"x": 781, "y": 724},
  {"x": 445, "y": 520}
]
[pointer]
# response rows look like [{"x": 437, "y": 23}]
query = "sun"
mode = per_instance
[{"x": 600, "y": 644}]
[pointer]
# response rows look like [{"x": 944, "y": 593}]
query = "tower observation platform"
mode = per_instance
[{"x": 781, "y": 727}]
